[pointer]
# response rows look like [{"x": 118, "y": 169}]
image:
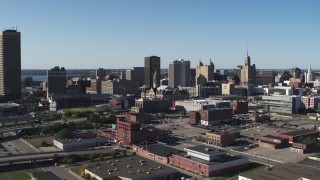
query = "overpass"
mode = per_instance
[{"x": 46, "y": 156}]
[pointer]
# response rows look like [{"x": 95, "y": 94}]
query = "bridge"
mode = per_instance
[
  {"x": 13, "y": 129},
  {"x": 33, "y": 158}
]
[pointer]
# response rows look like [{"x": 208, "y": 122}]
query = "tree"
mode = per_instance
[
  {"x": 87, "y": 176},
  {"x": 68, "y": 114},
  {"x": 63, "y": 134}
]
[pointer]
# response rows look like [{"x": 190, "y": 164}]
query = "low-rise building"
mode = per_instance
[
  {"x": 273, "y": 142},
  {"x": 302, "y": 147},
  {"x": 9, "y": 109},
  {"x": 222, "y": 138},
  {"x": 72, "y": 144},
  {"x": 296, "y": 136},
  {"x": 207, "y": 161},
  {"x": 156, "y": 105},
  {"x": 134, "y": 168}
]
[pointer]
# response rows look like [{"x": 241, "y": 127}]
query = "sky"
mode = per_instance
[{"x": 115, "y": 34}]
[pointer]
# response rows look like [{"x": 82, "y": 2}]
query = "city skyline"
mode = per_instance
[{"x": 118, "y": 35}]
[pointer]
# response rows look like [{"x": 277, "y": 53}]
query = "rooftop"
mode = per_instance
[
  {"x": 45, "y": 175},
  {"x": 205, "y": 150},
  {"x": 67, "y": 141},
  {"x": 160, "y": 150},
  {"x": 298, "y": 132},
  {"x": 219, "y": 159},
  {"x": 274, "y": 137},
  {"x": 285, "y": 171},
  {"x": 130, "y": 167}
]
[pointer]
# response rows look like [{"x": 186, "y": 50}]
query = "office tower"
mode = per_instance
[
  {"x": 179, "y": 73},
  {"x": 295, "y": 73},
  {"x": 100, "y": 73},
  {"x": 192, "y": 77},
  {"x": 10, "y": 65},
  {"x": 136, "y": 74},
  {"x": 152, "y": 71},
  {"x": 205, "y": 70},
  {"x": 57, "y": 79},
  {"x": 248, "y": 72}
]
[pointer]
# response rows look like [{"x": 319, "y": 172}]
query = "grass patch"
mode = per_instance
[
  {"x": 76, "y": 170},
  {"x": 14, "y": 175},
  {"x": 36, "y": 141},
  {"x": 234, "y": 175}
]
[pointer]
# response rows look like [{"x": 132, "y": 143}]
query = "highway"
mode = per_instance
[{"x": 51, "y": 155}]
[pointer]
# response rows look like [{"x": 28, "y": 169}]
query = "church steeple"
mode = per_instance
[{"x": 155, "y": 79}]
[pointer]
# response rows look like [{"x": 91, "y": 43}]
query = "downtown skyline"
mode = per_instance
[{"x": 119, "y": 34}]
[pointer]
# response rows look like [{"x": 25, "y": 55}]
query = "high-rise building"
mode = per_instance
[
  {"x": 136, "y": 74},
  {"x": 10, "y": 65},
  {"x": 205, "y": 70},
  {"x": 179, "y": 73},
  {"x": 151, "y": 69},
  {"x": 248, "y": 72},
  {"x": 295, "y": 73},
  {"x": 101, "y": 73},
  {"x": 57, "y": 79}
]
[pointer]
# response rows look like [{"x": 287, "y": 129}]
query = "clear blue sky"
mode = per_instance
[{"x": 119, "y": 34}]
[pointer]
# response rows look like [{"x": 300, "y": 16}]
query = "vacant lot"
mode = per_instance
[
  {"x": 36, "y": 141},
  {"x": 14, "y": 175}
]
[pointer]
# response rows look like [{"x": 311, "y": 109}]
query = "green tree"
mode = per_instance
[
  {"x": 87, "y": 176},
  {"x": 68, "y": 114},
  {"x": 44, "y": 143},
  {"x": 63, "y": 134}
]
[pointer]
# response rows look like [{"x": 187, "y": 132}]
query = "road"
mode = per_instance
[
  {"x": 25, "y": 157},
  {"x": 61, "y": 172}
]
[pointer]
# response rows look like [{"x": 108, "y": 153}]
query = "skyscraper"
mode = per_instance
[
  {"x": 57, "y": 79},
  {"x": 151, "y": 68},
  {"x": 10, "y": 64},
  {"x": 205, "y": 70},
  {"x": 248, "y": 71},
  {"x": 179, "y": 73}
]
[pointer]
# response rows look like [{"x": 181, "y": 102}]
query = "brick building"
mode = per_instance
[
  {"x": 273, "y": 142},
  {"x": 194, "y": 118},
  {"x": 131, "y": 133},
  {"x": 302, "y": 147},
  {"x": 202, "y": 160},
  {"x": 239, "y": 107},
  {"x": 222, "y": 138},
  {"x": 136, "y": 117},
  {"x": 153, "y": 105},
  {"x": 296, "y": 136},
  {"x": 215, "y": 116}
]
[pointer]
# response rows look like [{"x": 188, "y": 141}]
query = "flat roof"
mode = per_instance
[
  {"x": 160, "y": 150},
  {"x": 130, "y": 167},
  {"x": 67, "y": 141},
  {"x": 208, "y": 150},
  {"x": 298, "y": 132},
  {"x": 45, "y": 175},
  {"x": 268, "y": 142},
  {"x": 274, "y": 137},
  {"x": 285, "y": 171},
  {"x": 222, "y": 158}
]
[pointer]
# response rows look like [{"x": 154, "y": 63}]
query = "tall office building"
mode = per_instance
[
  {"x": 205, "y": 70},
  {"x": 10, "y": 65},
  {"x": 57, "y": 79},
  {"x": 136, "y": 74},
  {"x": 179, "y": 73},
  {"x": 151, "y": 69},
  {"x": 248, "y": 72}
]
